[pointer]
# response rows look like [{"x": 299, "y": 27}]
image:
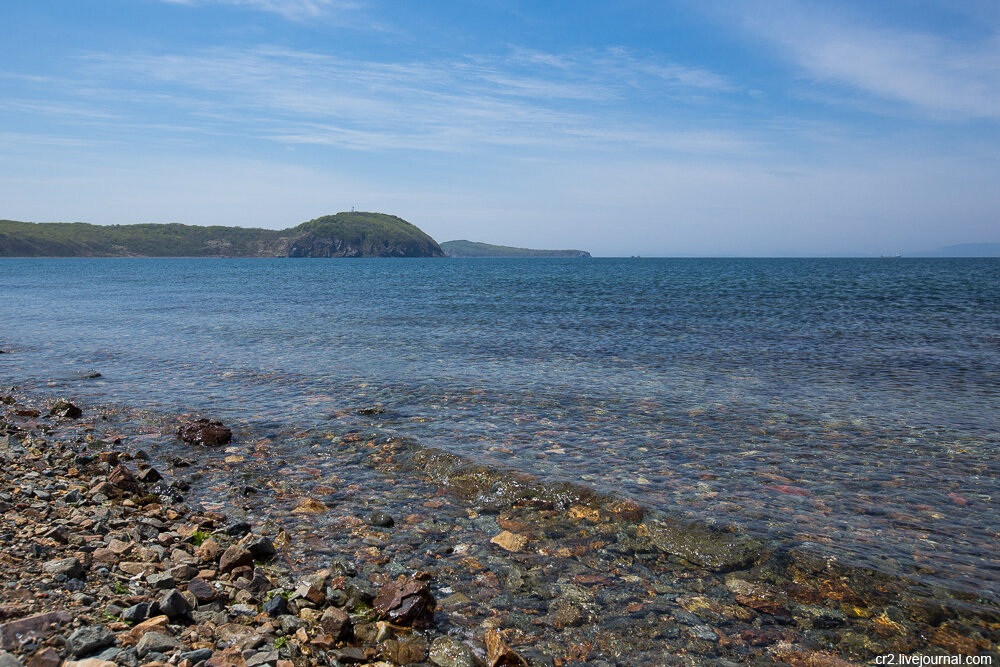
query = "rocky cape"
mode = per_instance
[{"x": 347, "y": 234}]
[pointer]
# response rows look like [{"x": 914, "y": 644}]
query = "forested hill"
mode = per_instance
[
  {"x": 353, "y": 234},
  {"x": 476, "y": 249}
]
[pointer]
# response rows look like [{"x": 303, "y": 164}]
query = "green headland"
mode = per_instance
[
  {"x": 475, "y": 249},
  {"x": 349, "y": 234}
]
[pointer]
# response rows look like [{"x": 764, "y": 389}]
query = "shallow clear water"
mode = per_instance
[{"x": 853, "y": 405}]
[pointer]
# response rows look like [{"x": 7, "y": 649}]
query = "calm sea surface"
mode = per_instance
[{"x": 850, "y": 405}]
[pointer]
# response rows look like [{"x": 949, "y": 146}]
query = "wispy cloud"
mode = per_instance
[
  {"x": 941, "y": 77},
  {"x": 514, "y": 99},
  {"x": 291, "y": 9}
]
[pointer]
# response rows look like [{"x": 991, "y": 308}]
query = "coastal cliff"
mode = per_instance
[{"x": 348, "y": 234}]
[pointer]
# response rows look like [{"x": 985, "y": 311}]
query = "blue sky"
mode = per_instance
[{"x": 634, "y": 127}]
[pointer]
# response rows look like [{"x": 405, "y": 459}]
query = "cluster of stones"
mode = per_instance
[{"x": 104, "y": 566}]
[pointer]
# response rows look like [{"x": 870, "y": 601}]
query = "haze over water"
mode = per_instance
[{"x": 847, "y": 404}]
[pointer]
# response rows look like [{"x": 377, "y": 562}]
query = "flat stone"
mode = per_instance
[
  {"x": 35, "y": 627},
  {"x": 157, "y": 624},
  {"x": 156, "y": 642},
  {"x": 9, "y": 660},
  {"x": 70, "y": 567},
  {"x": 498, "y": 654},
  {"x": 160, "y": 581},
  {"x": 510, "y": 541},
  {"x": 196, "y": 656},
  {"x": 263, "y": 658},
  {"x": 705, "y": 546}
]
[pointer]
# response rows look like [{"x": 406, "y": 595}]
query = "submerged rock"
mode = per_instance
[
  {"x": 63, "y": 408},
  {"x": 207, "y": 432},
  {"x": 701, "y": 545},
  {"x": 406, "y": 603}
]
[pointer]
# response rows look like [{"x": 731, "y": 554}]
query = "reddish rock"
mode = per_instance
[
  {"x": 45, "y": 658},
  {"x": 234, "y": 557},
  {"x": 202, "y": 590},
  {"x": 337, "y": 623},
  {"x": 208, "y": 432},
  {"x": 498, "y": 654},
  {"x": 122, "y": 477},
  {"x": 406, "y": 603}
]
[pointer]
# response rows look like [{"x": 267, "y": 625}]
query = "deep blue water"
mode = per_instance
[{"x": 853, "y": 405}]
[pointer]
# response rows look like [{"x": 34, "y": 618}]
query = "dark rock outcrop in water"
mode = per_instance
[{"x": 353, "y": 234}]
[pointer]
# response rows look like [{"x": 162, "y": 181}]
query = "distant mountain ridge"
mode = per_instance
[
  {"x": 476, "y": 249},
  {"x": 346, "y": 234},
  {"x": 961, "y": 250}
]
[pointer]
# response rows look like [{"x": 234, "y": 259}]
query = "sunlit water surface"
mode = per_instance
[{"x": 851, "y": 405}]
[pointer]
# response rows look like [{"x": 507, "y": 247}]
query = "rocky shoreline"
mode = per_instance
[{"x": 105, "y": 563}]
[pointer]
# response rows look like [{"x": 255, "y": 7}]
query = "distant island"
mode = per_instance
[
  {"x": 961, "y": 250},
  {"x": 475, "y": 249},
  {"x": 348, "y": 234}
]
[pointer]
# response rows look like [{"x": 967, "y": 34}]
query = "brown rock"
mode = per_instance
[
  {"x": 510, "y": 541},
  {"x": 337, "y": 623},
  {"x": 208, "y": 551},
  {"x": 498, "y": 654},
  {"x": 45, "y": 658},
  {"x": 157, "y": 624},
  {"x": 208, "y": 432},
  {"x": 122, "y": 478},
  {"x": 309, "y": 506},
  {"x": 406, "y": 603},
  {"x": 234, "y": 557},
  {"x": 228, "y": 658},
  {"x": 403, "y": 653},
  {"x": 202, "y": 590}
]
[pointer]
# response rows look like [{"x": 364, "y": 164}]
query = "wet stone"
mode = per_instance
[
  {"x": 381, "y": 519},
  {"x": 262, "y": 549},
  {"x": 238, "y": 529},
  {"x": 210, "y": 433},
  {"x": 449, "y": 652},
  {"x": 65, "y": 409},
  {"x": 406, "y": 603}
]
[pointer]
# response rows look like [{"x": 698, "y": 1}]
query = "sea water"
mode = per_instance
[{"x": 848, "y": 405}]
